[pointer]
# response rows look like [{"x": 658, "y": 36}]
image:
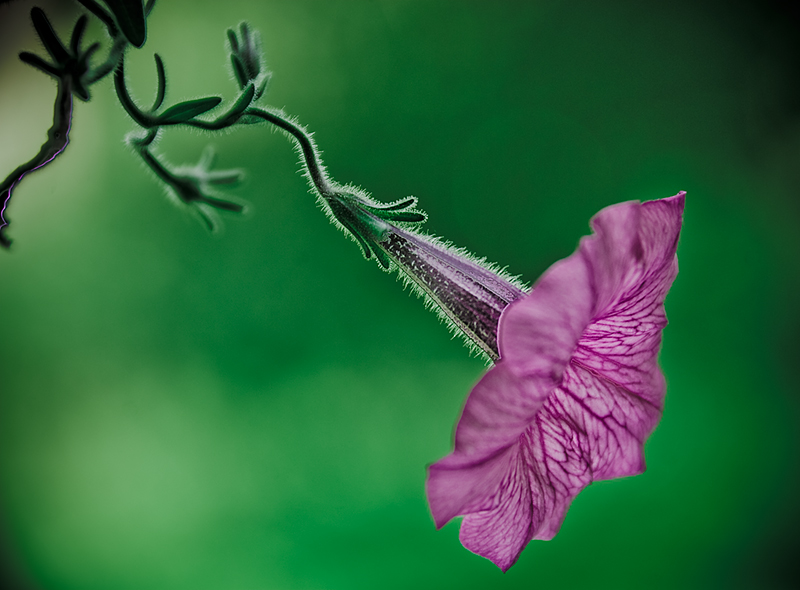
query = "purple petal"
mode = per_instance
[
  {"x": 500, "y": 533},
  {"x": 456, "y": 486},
  {"x": 537, "y": 334},
  {"x": 576, "y": 392}
]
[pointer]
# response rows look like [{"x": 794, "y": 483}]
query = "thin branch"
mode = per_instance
[{"x": 57, "y": 140}]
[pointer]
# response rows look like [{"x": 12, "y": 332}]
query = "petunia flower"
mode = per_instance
[{"x": 576, "y": 390}]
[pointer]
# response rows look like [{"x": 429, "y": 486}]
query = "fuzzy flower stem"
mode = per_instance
[
  {"x": 314, "y": 168},
  {"x": 156, "y": 166},
  {"x": 57, "y": 140}
]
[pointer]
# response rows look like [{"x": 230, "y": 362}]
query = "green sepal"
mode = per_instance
[
  {"x": 80, "y": 90},
  {"x": 402, "y": 204},
  {"x": 403, "y": 216},
  {"x": 383, "y": 258},
  {"x": 161, "y": 89},
  {"x": 50, "y": 40},
  {"x": 231, "y": 178},
  {"x": 401, "y": 211},
  {"x": 367, "y": 229},
  {"x": 232, "y": 40},
  {"x": 208, "y": 218},
  {"x": 262, "y": 87},
  {"x": 244, "y": 29},
  {"x": 77, "y": 34},
  {"x": 238, "y": 70},
  {"x": 129, "y": 15},
  {"x": 224, "y": 205},
  {"x": 37, "y": 62},
  {"x": 80, "y": 77},
  {"x": 183, "y": 111},
  {"x": 365, "y": 249}
]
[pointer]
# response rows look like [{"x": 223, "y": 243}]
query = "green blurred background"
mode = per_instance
[{"x": 256, "y": 411}]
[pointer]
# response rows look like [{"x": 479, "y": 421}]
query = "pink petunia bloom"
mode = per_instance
[{"x": 576, "y": 391}]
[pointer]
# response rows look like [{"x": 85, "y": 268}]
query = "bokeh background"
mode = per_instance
[{"x": 257, "y": 410}]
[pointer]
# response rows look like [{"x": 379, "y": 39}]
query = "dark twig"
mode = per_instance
[{"x": 57, "y": 140}]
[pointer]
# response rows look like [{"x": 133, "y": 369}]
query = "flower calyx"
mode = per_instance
[
  {"x": 195, "y": 185},
  {"x": 370, "y": 222},
  {"x": 70, "y": 63},
  {"x": 247, "y": 59}
]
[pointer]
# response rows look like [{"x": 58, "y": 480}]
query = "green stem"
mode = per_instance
[
  {"x": 316, "y": 171},
  {"x": 156, "y": 166},
  {"x": 142, "y": 119}
]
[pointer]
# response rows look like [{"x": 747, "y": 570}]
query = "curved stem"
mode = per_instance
[
  {"x": 316, "y": 171},
  {"x": 156, "y": 166},
  {"x": 142, "y": 119},
  {"x": 57, "y": 140}
]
